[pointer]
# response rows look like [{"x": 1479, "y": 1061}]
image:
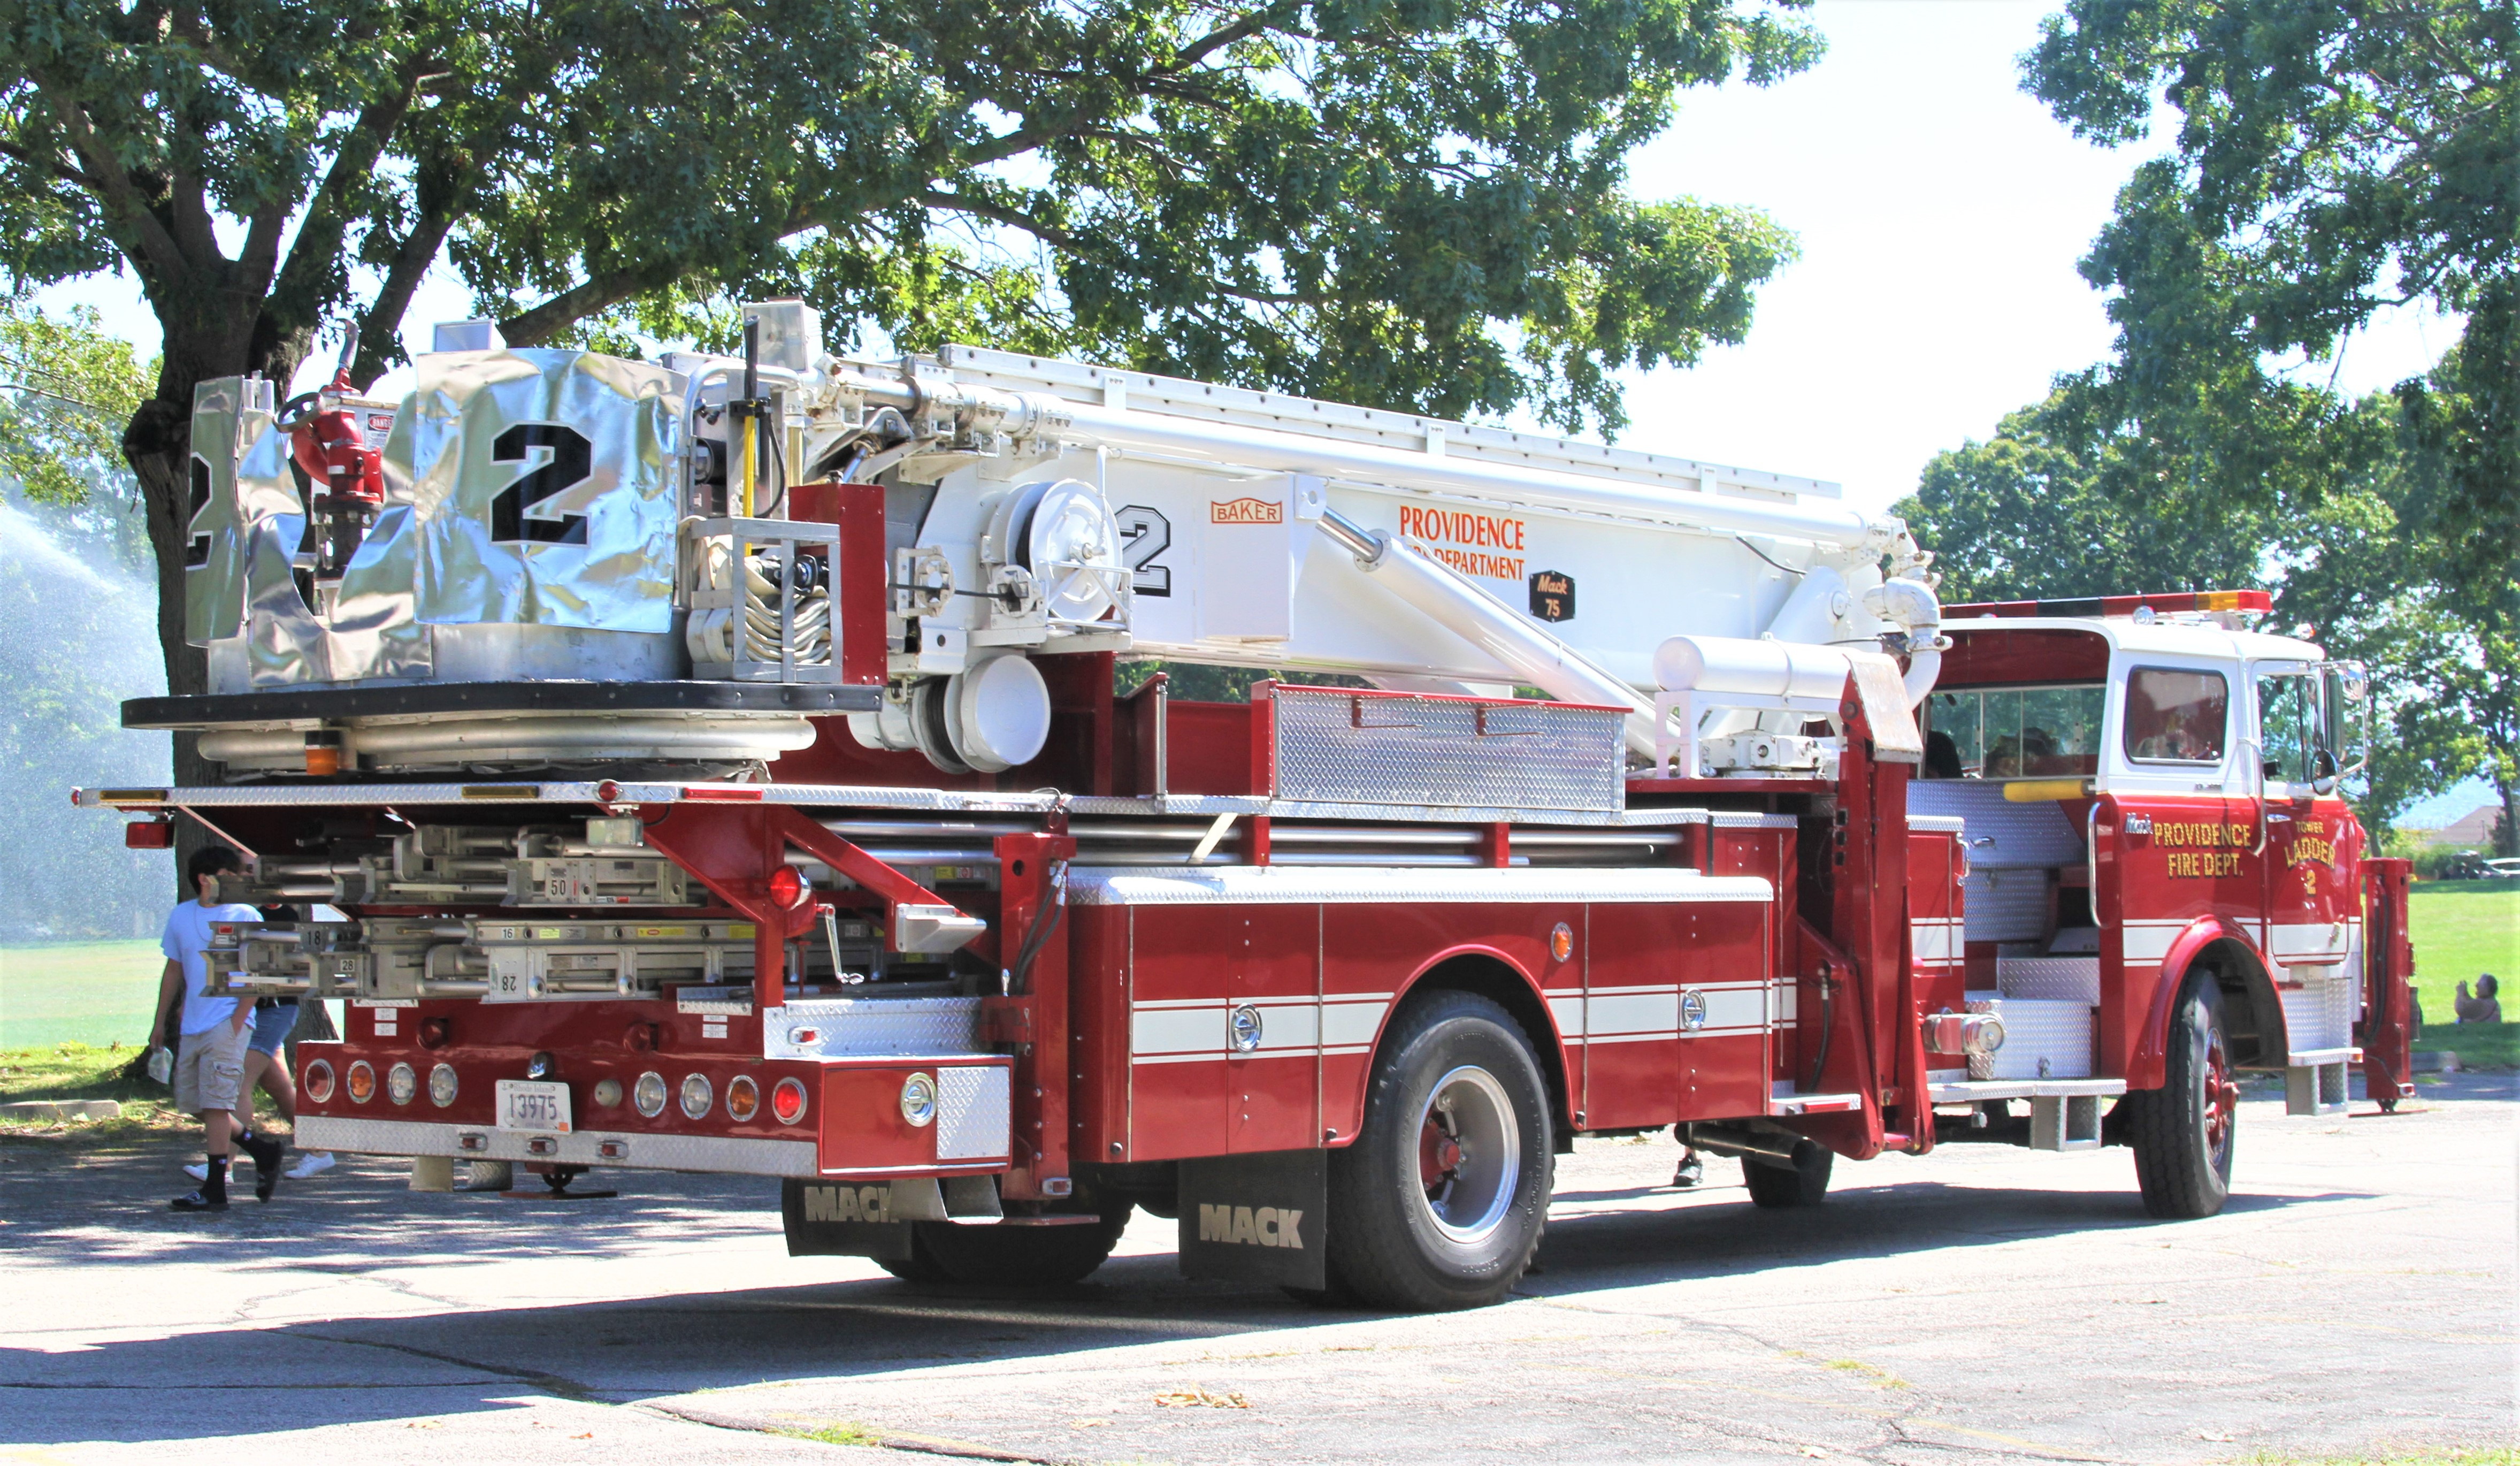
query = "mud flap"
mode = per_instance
[
  {"x": 1261, "y": 1219},
  {"x": 857, "y": 1218}
]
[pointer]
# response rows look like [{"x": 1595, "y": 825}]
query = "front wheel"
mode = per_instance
[
  {"x": 1803, "y": 1183},
  {"x": 2182, "y": 1132},
  {"x": 1440, "y": 1202}
]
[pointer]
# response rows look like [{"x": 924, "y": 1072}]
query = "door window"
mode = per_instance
[
  {"x": 2176, "y": 715},
  {"x": 2290, "y": 728}
]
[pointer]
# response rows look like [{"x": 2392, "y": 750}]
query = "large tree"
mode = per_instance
[
  {"x": 1414, "y": 204},
  {"x": 2328, "y": 160}
]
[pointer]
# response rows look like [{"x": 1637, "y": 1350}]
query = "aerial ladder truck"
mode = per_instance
[{"x": 745, "y": 765}]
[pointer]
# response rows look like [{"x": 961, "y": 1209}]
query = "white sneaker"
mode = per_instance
[
  {"x": 198, "y": 1171},
  {"x": 313, "y": 1162}
]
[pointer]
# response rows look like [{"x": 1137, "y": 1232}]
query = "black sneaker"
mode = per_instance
[
  {"x": 197, "y": 1202},
  {"x": 1691, "y": 1173},
  {"x": 267, "y": 1154}
]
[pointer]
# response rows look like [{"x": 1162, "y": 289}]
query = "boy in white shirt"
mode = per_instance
[{"x": 209, "y": 1054}]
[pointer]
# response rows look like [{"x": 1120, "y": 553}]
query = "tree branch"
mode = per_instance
[
  {"x": 1014, "y": 218},
  {"x": 149, "y": 235},
  {"x": 319, "y": 238},
  {"x": 54, "y": 166}
]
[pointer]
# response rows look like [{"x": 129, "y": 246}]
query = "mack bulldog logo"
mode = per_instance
[
  {"x": 1245, "y": 512},
  {"x": 1251, "y": 1227}
]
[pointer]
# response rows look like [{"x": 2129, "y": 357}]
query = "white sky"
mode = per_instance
[{"x": 1941, "y": 212}]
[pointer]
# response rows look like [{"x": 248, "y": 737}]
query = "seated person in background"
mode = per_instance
[
  {"x": 1942, "y": 756},
  {"x": 2004, "y": 758},
  {"x": 2485, "y": 1007}
]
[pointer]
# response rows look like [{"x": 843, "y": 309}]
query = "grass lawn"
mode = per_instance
[
  {"x": 95, "y": 992},
  {"x": 2463, "y": 928},
  {"x": 76, "y": 1070}
]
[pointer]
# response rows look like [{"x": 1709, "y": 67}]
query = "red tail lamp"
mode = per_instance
[
  {"x": 148, "y": 835},
  {"x": 787, "y": 1101},
  {"x": 788, "y": 889}
]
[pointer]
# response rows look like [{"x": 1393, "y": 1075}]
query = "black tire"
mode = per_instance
[
  {"x": 1009, "y": 1256},
  {"x": 1804, "y": 1183},
  {"x": 1440, "y": 1202},
  {"x": 2184, "y": 1132}
]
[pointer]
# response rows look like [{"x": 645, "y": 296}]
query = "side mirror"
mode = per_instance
[{"x": 2324, "y": 767}]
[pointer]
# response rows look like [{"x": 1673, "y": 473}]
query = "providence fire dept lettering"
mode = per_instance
[
  {"x": 2202, "y": 848},
  {"x": 1251, "y": 1227},
  {"x": 849, "y": 1204}
]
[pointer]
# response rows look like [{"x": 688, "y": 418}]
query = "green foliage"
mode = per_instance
[
  {"x": 1404, "y": 202},
  {"x": 2331, "y": 156},
  {"x": 66, "y": 390}
]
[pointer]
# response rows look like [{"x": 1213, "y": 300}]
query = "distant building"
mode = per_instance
[{"x": 2475, "y": 828}]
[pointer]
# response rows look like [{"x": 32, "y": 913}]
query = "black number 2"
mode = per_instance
[{"x": 571, "y": 456}]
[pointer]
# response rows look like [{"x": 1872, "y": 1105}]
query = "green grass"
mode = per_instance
[
  {"x": 76, "y": 1070},
  {"x": 94, "y": 992},
  {"x": 2461, "y": 930}
]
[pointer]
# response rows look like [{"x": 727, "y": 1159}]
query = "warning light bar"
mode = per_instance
[{"x": 2161, "y": 605}]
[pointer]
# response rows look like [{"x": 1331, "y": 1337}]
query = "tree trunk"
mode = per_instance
[{"x": 158, "y": 444}]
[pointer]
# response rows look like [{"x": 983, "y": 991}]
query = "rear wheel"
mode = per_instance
[
  {"x": 2182, "y": 1132},
  {"x": 1440, "y": 1202},
  {"x": 1000, "y": 1255},
  {"x": 1802, "y": 1183}
]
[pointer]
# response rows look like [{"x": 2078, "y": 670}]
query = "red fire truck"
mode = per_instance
[{"x": 745, "y": 766}]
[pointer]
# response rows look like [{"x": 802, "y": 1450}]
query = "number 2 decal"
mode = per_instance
[
  {"x": 1144, "y": 535},
  {"x": 569, "y": 457}
]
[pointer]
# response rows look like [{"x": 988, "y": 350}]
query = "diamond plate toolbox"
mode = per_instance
[{"x": 1340, "y": 746}]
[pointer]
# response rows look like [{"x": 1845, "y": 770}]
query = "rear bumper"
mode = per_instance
[{"x": 719, "y": 1154}]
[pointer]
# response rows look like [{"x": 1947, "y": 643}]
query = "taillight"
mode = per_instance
[
  {"x": 363, "y": 1082},
  {"x": 441, "y": 1085},
  {"x": 697, "y": 1095},
  {"x": 401, "y": 1084},
  {"x": 787, "y": 888},
  {"x": 742, "y": 1098},
  {"x": 318, "y": 1081},
  {"x": 787, "y": 1101},
  {"x": 647, "y": 1096}
]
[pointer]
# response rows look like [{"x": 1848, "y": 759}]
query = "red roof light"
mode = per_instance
[{"x": 2103, "y": 605}]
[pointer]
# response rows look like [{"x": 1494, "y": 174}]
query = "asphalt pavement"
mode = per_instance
[{"x": 1980, "y": 1303}]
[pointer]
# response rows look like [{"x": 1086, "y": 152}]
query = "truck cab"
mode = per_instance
[{"x": 2152, "y": 792}]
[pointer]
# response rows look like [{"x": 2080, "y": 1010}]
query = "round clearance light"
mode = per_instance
[
  {"x": 742, "y": 1098},
  {"x": 919, "y": 1099},
  {"x": 788, "y": 889},
  {"x": 317, "y": 1083},
  {"x": 649, "y": 1097},
  {"x": 607, "y": 1093},
  {"x": 787, "y": 1101},
  {"x": 401, "y": 1084},
  {"x": 1561, "y": 941},
  {"x": 441, "y": 1085},
  {"x": 363, "y": 1082},
  {"x": 697, "y": 1096}
]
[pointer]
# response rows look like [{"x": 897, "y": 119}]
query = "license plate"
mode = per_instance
[{"x": 537, "y": 1105}]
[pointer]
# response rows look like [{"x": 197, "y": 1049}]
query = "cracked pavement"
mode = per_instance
[{"x": 1983, "y": 1304}]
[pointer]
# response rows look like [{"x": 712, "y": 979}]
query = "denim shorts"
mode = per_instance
[{"x": 271, "y": 1027}]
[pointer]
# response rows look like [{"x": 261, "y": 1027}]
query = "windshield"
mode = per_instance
[{"x": 2014, "y": 732}]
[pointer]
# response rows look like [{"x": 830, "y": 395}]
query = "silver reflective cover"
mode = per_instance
[
  {"x": 230, "y": 414},
  {"x": 523, "y": 489}
]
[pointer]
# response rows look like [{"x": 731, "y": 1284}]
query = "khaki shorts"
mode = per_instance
[{"x": 210, "y": 1069}]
